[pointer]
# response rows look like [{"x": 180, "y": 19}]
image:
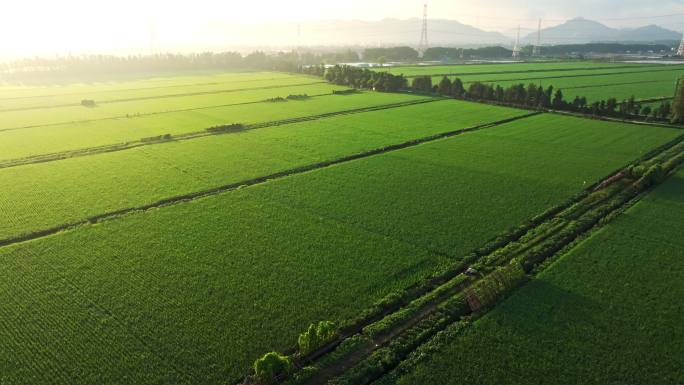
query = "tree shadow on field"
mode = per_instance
[
  {"x": 541, "y": 304},
  {"x": 547, "y": 331},
  {"x": 672, "y": 190}
]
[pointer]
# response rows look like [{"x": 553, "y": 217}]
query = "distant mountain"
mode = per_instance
[
  {"x": 579, "y": 31},
  {"x": 649, "y": 33},
  {"x": 354, "y": 32}
]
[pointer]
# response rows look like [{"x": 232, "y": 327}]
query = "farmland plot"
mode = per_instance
[
  {"x": 594, "y": 80},
  {"x": 44, "y": 195},
  {"x": 199, "y": 289},
  {"x": 608, "y": 311},
  {"x": 69, "y": 114},
  {"x": 16, "y": 97},
  {"x": 426, "y": 195},
  {"x": 494, "y": 68},
  {"x": 655, "y": 84},
  {"x": 189, "y": 294},
  {"x": 74, "y": 136}
]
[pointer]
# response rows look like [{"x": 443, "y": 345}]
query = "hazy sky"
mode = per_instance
[{"x": 30, "y": 27}]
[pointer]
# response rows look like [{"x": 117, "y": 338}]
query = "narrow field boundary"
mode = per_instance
[
  {"x": 653, "y": 100},
  {"x": 44, "y": 158},
  {"x": 606, "y": 66},
  {"x": 614, "y": 84},
  {"x": 251, "y": 182},
  {"x": 166, "y": 96},
  {"x": 531, "y": 70},
  {"x": 466, "y": 81}
]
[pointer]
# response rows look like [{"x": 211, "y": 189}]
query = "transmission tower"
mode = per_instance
[
  {"x": 537, "y": 48},
  {"x": 680, "y": 51},
  {"x": 423, "y": 45},
  {"x": 516, "y": 47}
]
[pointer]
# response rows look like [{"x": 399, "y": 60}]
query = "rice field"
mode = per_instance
[
  {"x": 498, "y": 68},
  {"x": 44, "y": 195},
  {"x": 47, "y": 139},
  {"x": 607, "y": 312},
  {"x": 594, "y": 80},
  {"x": 182, "y": 261}
]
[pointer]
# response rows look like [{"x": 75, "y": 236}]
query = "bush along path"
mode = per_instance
[{"x": 410, "y": 320}]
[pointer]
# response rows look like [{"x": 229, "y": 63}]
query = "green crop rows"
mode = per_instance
[
  {"x": 114, "y": 270},
  {"x": 50, "y": 194},
  {"x": 553, "y": 157},
  {"x": 160, "y": 104},
  {"x": 646, "y": 85},
  {"x": 16, "y": 97},
  {"x": 193, "y": 292},
  {"x": 64, "y": 137},
  {"x": 608, "y": 312},
  {"x": 474, "y": 69}
]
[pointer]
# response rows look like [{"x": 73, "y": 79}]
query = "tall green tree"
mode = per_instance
[
  {"x": 558, "y": 100},
  {"x": 422, "y": 84},
  {"x": 457, "y": 88},
  {"x": 532, "y": 99},
  {"x": 444, "y": 86},
  {"x": 678, "y": 106}
]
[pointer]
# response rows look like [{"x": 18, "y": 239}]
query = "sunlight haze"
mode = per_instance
[{"x": 127, "y": 26}]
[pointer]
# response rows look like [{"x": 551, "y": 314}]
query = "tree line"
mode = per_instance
[
  {"x": 397, "y": 54},
  {"x": 536, "y": 96},
  {"x": 361, "y": 78},
  {"x": 530, "y": 96},
  {"x": 97, "y": 65}
]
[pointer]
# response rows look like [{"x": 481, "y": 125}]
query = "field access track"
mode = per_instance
[
  {"x": 621, "y": 291},
  {"x": 388, "y": 343}
]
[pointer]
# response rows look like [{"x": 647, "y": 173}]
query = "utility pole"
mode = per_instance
[
  {"x": 537, "y": 48},
  {"x": 423, "y": 45},
  {"x": 516, "y": 47},
  {"x": 680, "y": 51}
]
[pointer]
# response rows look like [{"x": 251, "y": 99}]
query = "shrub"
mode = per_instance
[
  {"x": 636, "y": 172},
  {"x": 345, "y": 92},
  {"x": 495, "y": 286},
  {"x": 316, "y": 336},
  {"x": 227, "y": 128},
  {"x": 271, "y": 365},
  {"x": 88, "y": 103},
  {"x": 158, "y": 138},
  {"x": 276, "y": 100},
  {"x": 655, "y": 174},
  {"x": 297, "y": 97}
]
